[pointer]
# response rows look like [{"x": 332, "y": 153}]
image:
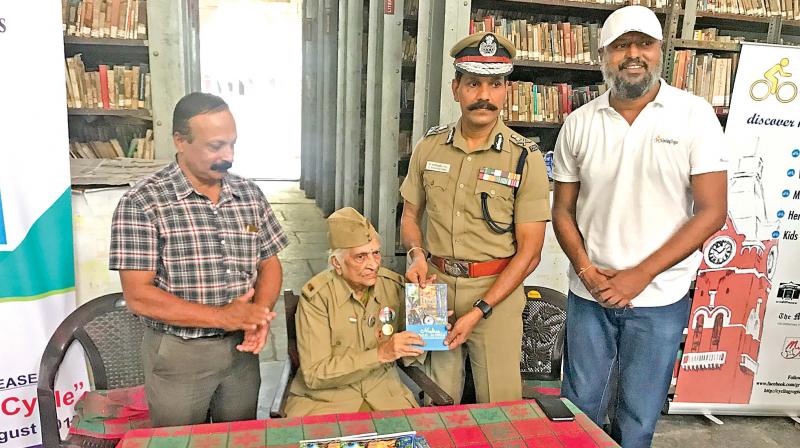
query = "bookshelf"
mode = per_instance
[{"x": 106, "y": 52}]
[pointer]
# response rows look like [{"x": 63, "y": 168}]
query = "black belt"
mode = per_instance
[{"x": 217, "y": 335}]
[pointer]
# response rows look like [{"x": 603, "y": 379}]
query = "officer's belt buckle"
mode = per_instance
[{"x": 456, "y": 268}]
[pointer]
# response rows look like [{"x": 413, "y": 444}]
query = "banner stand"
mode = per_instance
[{"x": 742, "y": 349}]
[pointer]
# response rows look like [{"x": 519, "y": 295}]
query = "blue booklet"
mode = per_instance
[{"x": 426, "y": 313}]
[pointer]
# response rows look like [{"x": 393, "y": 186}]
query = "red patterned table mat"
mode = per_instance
[{"x": 512, "y": 424}]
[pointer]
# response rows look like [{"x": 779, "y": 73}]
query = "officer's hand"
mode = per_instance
[
  {"x": 241, "y": 314},
  {"x": 418, "y": 272},
  {"x": 254, "y": 340},
  {"x": 398, "y": 345},
  {"x": 463, "y": 328},
  {"x": 622, "y": 287}
]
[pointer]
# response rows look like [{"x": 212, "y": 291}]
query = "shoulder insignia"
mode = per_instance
[
  {"x": 313, "y": 286},
  {"x": 391, "y": 275},
  {"x": 436, "y": 130},
  {"x": 451, "y": 135},
  {"x": 524, "y": 142}
]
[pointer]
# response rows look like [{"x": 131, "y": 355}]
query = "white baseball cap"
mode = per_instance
[{"x": 627, "y": 19}]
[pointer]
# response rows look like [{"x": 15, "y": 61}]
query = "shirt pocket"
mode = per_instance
[
  {"x": 242, "y": 252},
  {"x": 499, "y": 201},
  {"x": 436, "y": 186}
]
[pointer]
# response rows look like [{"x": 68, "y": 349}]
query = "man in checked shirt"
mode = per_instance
[{"x": 196, "y": 249}]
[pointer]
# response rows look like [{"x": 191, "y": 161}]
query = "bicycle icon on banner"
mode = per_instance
[{"x": 783, "y": 91}]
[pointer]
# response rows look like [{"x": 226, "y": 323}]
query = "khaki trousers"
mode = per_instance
[
  {"x": 494, "y": 347},
  {"x": 187, "y": 381}
]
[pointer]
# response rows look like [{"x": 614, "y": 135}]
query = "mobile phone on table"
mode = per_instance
[{"x": 555, "y": 409}]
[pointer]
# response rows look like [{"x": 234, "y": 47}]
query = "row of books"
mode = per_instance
[
  {"x": 546, "y": 41},
  {"x": 409, "y": 48},
  {"x": 712, "y": 34},
  {"x": 139, "y": 148},
  {"x": 706, "y": 75},
  {"x": 530, "y": 102},
  {"x": 117, "y": 19},
  {"x": 110, "y": 87},
  {"x": 788, "y": 9}
]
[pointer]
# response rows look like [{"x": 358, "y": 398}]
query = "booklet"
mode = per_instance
[
  {"x": 426, "y": 313},
  {"x": 370, "y": 440}
]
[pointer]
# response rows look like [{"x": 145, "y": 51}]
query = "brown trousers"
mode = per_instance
[{"x": 187, "y": 381}]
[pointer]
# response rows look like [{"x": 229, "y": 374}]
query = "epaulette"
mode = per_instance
[
  {"x": 437, "y": 130},
  {"x": 524, "y": 142},
  {"x": 313, "y": 286},
  {"x": 391, "y": 275}
]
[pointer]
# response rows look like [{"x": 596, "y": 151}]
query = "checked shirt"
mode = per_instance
[{"x": 201, "y": 252}]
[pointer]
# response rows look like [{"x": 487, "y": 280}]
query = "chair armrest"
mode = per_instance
[
  {"x": 438, "y": 396},
  {"x": 278, "y": 403}
]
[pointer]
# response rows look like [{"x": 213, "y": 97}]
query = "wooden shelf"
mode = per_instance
[
  {"x": 722, "y": 111},
  {"x": 571, "y": 4},
  {"x": 556, "y": 65},
  {"x": 707, "y": 45},
  {"x": 73, "y": 40},
  {"x": 533, "y": 124},
  {"x": 144, "y": 114}
]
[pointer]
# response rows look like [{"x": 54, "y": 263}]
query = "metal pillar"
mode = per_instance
[
  {"x": 353, "y": 125},
  {"x": 670, "y": 31},
  {"x": 456, "y": 27},
  {"x": 428, "y": 78},
  {"x": 372, "y": 128},
  {"x": 341, "y": 70},
  {"x": 327, "y": 171},
  {"x": 174, "y": 66},
  {"x": 390, "y": 120},
  {"x": 310, "y": 152}
]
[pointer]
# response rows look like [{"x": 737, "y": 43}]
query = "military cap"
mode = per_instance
[
  {"x": 484, "y": 54},
  {"x": 348, "y": 228}
]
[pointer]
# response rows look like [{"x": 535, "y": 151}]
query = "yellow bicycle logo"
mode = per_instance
[{"x": 783, "y": 91}]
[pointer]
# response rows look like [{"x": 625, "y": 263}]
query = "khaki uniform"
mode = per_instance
[
  {"x": 443, "y": 176},
  {"x": 339, "y": 368}
]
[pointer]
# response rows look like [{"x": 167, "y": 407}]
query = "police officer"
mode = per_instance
[
  {"x": 485, "y": 191},
  {"x": 347, "y": 328}
]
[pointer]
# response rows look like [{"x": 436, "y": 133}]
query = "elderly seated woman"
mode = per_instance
[{"x": 348, "y": 328}]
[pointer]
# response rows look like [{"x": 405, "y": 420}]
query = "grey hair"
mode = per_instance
[{"x": 338, "y": 254}]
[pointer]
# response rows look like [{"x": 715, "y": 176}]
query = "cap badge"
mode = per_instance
[{"x": 488, "y": 46}]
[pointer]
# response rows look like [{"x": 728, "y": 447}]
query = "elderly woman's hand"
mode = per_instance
[{"x": 398, "y": 345}]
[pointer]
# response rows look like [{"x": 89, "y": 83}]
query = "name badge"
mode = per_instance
[{"x": 437, "y": 166}]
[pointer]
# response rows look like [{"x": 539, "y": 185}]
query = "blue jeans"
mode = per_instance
[{"x": 642, "y": 343}]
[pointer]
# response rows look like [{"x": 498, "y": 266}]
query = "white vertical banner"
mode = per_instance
[
  {"x": 742, "y": 351},
  {"x": 37, "y": 283}
]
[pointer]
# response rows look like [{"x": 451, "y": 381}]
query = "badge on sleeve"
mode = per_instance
[
  {"x": 499, "y": 176},
  {"x": 437, "y": 166}
]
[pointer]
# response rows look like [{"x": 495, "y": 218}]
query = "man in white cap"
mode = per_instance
[{"x": 640, "y": 184}]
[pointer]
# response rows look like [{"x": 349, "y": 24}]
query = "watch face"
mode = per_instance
[{"x": 720, "y": 252}]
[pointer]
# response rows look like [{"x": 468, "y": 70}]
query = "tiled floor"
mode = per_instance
[{"x": 306, "y": 256}]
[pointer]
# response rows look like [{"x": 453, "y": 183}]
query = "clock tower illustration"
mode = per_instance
[{"x": 720, "y": 357}]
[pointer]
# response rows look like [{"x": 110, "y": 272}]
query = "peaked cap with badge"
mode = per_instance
[
  {"x": 348, "y": 228},
  {"x": 484, "y": 54}
]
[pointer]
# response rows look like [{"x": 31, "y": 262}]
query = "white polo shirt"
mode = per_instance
[{"x": 635, "y": 180}]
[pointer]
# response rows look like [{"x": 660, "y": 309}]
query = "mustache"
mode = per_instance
[
  {"x": 633, "y": 61},
  {"x": 222, "y": 166},
  {"x": 482, "y": 105}
]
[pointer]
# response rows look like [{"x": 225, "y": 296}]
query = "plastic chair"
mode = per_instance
[{"x": 111, "y": 338}]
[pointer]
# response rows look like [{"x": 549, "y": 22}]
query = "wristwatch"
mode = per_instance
[{"x": 485, "y": 308}]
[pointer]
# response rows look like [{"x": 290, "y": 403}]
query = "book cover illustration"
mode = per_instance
[
  {"x": 426, "y": 313},
  {"x": 370, "y": 440}
]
